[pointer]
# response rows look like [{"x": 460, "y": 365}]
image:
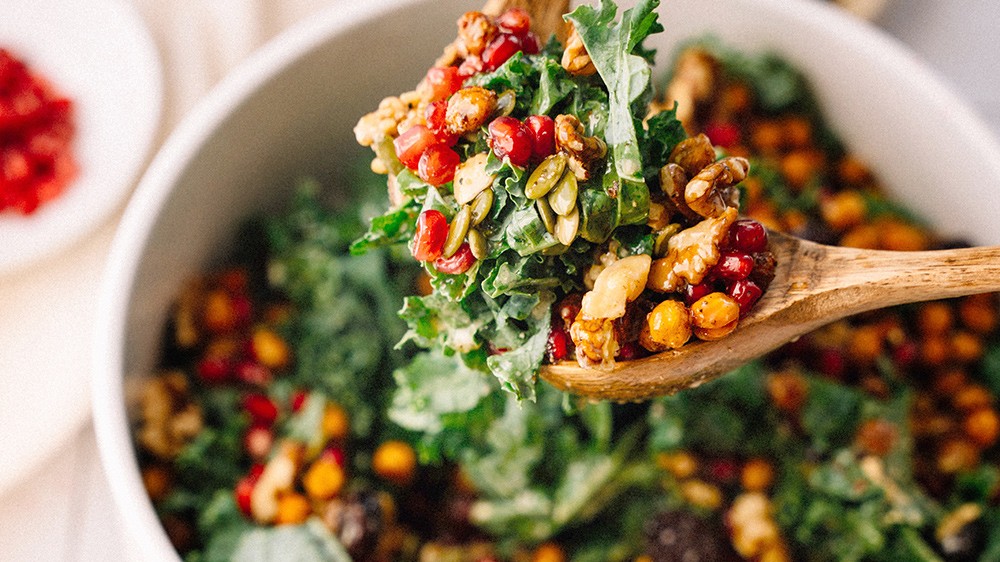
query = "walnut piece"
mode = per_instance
[
  {"x": 583, "y": 151},
  {"x": 713, "y": 189},
  {"x": 576, "y": 60},
  {"x": 475, "y": 31},
  {"x": 595, "y": 342},
  {"x": 690, "y": 254}
]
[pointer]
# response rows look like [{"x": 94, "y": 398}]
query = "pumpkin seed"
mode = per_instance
[
  {"x": 505, "y": 103},
  {"x": 545, "y": 176},
  {"x": 471, "y": 178},
  {"x": 663, "y": 237},
  {"x": 478, "y": 244},
  {"x": 562, "y": 198},
  {"x": 548, "y": 217},
  {"x": 567, "y": 227},
  {"x": 457, "y": 231},
  {"x": 556, "y": 250},
  {"x": 481, "y": 206}
]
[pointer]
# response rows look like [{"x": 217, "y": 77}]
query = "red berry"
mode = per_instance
[
  {"x": 244, "y": 488},
  {"x": 432, "y": 229},
  {"x": 723, "y": 471},
  {"x": 543, "y": 135},
  {"x": 500, "y": 50},
  {"x": 906, "y": 353},
  {"x": 694, "y": 292},
  {"x": 831, "y": 362},
  {"x": 257, "y": 441},
  {"x": 733, "y": 265},
  {"x": 262, "y": 410},
  {"x": 556, "y": 346},
  {"x": 214, "y": 369},
  {"x": 242, "y": 309},
  {"x": 458, "y": 263},
  {"x": 748, "y": 235},
  {"x": 444, "y": 81},
  {"x": 628, "y": 351},
  {"x": 437, "y": 164},
  {"x": 530, "y": 44},
  {"x": 723, "y": 134},
  {"x": 434, "y": 116},
  {"x": 335, "y": 454},
  {"x": 252, "y": 372},
  {"x": 410, "y": 145},
  {"x": 509, "y": 138},
  {"x": 516, "y": 21},
  {"x": 298, "y": 400},
  {"x": 746, "y": 293}
]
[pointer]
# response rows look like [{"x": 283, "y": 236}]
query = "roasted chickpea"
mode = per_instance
[
  {"x": 978, "y": 313},
  {"x": 982, "y": 426},
  {"x": 972, "y": 397},
  {"x": 788, "y": 390},
  {"x": 956, "y": 455},
  {"x": 701, "y": 494},
  {"x": 667, "y": 326},
  {"x": 966, "y": 347},
  {"x": 293, "y": 509},
  {"x": 843, "y": 210},
  {"x": 548, "y": 552},
  {"x": 395, "y": 461},
  {"x": 681, "y": 464},
  {"x": 866, "y": 344},
  {"x": 324, "y": 479},
  {"x": 336, "y": 424},
  {"x": 714, "y": 316},
  {"x": 757, "y": 475}
]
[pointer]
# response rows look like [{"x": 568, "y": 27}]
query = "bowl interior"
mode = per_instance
[{"x": 290, "y": 113}]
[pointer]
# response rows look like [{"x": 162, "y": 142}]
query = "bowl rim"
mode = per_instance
[{"x": 110, "y": 419}]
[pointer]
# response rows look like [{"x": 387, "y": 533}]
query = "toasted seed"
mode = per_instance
[
  {"x": 562, "y": 198},
  {"x": 471, "y": 178},
  {"x": 554, "y": 250},
  {"x": 567, "y": 227},
  {"x": 548, "y": 216},
  {"x": 663, "y": 237},
  {"x": 457, "y": 231},
  {"x": 478, "y": 244},
  {"x": 545, "y": 176},
  {"x": 505, "y": 103},
  {"x": 481, "y": 206}
]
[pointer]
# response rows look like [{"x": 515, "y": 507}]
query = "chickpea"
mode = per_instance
[
  {"x": 866, "y": 344},
  {"x": 788, "y": 390},
  {"x": 714, "y": 316},
  {"x": 324, "y": 479},
  {"x": 876, "y": 437},
  {"x": 982, "y": 426},
  {"x": 851, "y": 170},
  {"x": 395, "y": 461},
  {"x": 767, "y": 137},
  {"x": 972, "y": 397},
  {"x": 157, "y": 480},
  {"x": 843, "y": 210},
  {"x": 218, "y": 315},
  {"x": 934, "y": 318},
  {"x": 701, "y": 494},
  {"x": 548, "y": 552},
  {"x": 956, "y": 455},
  {"x": 865, "y": 236},
  {"x": 950, "y": 381},
  {"x": 800, "y": 166},
  {"x": 270, "y": 349},
  {"x": 757, "y": 475},
  {"x": 667, "y": 326},
  {"x": 736, "y": 97},
  {"x": 978, "y": 314},
  {"x": 293, "y": 509},
  {"x": 336, "y": 423},
  {"x": 935, "y": 350},
  {"x": 966, "y": 347},
  {"x": 902, "y": 237},
  {"x": 680, "y": 464},
  {"x": 798, "y": 131}
]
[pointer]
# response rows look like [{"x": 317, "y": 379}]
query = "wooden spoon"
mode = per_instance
[{"x": 813, "y": 285}]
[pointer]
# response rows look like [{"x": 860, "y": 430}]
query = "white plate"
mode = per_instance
[{"x": 99, "y": 54}]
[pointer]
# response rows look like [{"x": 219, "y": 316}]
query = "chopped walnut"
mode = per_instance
[
  {"x": 713, "y": 190},
  {"x": 469, "y": 108},
  {"x": 583, "y": 151},
  {"x": 475, "y": 31},
  {"x": 169, "y": 419},
  {"x": 673, "y": 180},
  {"x": 594, "y": 331},
  {"x": 576, "y": 60},
  {"x": 595, "y": 342},
  {"x": 693, "y": 154},
  {"x": 690, "y": 254}
]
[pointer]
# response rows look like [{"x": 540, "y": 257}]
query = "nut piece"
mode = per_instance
[
  {"x": 475, "y": 31},
  {"x": 673, "y": 180},
  {"x": 576, "y": 60},
  {"x": 468, "y": 109},
  {"x": 471, "y": 178},
  {"x": 713, "y": 191},
  {"x": 595, "y": 342},
  {"x": 583, "y": 151},
  {"x": 620, "y": 283},
  {"x": 690, "y": 254},
  {"x": 693, "y": 154},
  {"x": 668, "y": 326}
]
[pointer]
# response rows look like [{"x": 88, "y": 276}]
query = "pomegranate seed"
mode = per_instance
[
  {"x": 556, "y": 346},
  {"x": 569, "y": 308},
  {"x": 253, "y": 373},
  {"x": 723, "y": 471},
  {"x": 244, "y": 488},
  {"x": 694, "y": 292},
  {"x": 437, "y": 164},
  {"x": 410, "y": 145},
  {"x": 470, "y": 67},
  {"x": 458, "y": 263},
  {"x": 257, "y": 441},
  {"x": 746, "y": 293},
  {"x": 444, "y": 81},
  {"x": 500, "y": 50},
  {"x": 434, "y": 116},
  {"x": 432, "y": 229},
  {"x": 516, "y": 21},
  {"x": 335, "y": 454},
  {"x": 543, "y": 135},
  {"x": 509, "y": 138},
  {"x": 628, "y": 351},
  {"x": 748, "y": 235},
  {"x": 530, "y": 44},
  {"x": 262, "y": 410},
  {"x": 733, "y": 265},
  {"x": 214, "y": 369},
  {"x": 906, "y": 353},
  {"x": 723, "y": 134},
  {"x": 831, "y": 362},
  {"x": 298, "y": 400}
]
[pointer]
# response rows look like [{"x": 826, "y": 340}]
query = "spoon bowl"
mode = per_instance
[{"x": 814, "y": 285}]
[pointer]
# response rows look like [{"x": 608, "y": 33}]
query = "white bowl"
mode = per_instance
[{"x": 290, "y": 112}]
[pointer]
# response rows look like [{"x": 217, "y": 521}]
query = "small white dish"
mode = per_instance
[{"x": 99, "y": 54}]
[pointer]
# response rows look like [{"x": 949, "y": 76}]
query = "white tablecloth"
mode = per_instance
[{"x": 63, "y": 510}]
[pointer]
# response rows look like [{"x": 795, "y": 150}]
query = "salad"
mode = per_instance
[
  {"x": 556, "y": 211},
  {"x": 282, "y": 426}
]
